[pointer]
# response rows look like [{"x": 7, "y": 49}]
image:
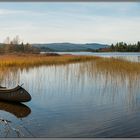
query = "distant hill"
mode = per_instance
[{"x": 64, "y": 47}]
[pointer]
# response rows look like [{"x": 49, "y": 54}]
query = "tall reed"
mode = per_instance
[{"x": 37, "y": 60}]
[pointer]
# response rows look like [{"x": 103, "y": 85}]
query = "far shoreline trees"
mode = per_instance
[
  {"x": 15, "y": 45},
  {"x": 121, "y": 47}
]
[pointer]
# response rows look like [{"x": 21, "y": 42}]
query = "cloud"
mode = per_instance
[
  {"x": 5, "y": 12},
  {"x": 97, "y": 29},
  {"x": 97, "y": 22},
  {"x": 9, "y": 12}
]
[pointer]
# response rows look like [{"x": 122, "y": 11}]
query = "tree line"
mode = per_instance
[
  {"x": 121, "y": 47},
  {"x": 15, "y": 45}
]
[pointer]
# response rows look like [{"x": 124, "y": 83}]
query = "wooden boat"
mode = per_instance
[{"x": 17, "y": 94}]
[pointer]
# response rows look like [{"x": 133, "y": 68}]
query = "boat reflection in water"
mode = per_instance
[
  {"x": 18, "y": 109},
  {"x": 8, "y": 127}
]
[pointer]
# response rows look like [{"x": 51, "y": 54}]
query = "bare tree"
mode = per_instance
[
  {"x": 16, "y": 40},
  {"x": 16, "y": 45},
  {"x": 7, "y": 40}
]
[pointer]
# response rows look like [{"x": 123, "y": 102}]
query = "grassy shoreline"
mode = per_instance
[
  {"x": 115, "y": 67},
  {"x": 34, "y": 60},
  {"x": 26, "y": 60}
]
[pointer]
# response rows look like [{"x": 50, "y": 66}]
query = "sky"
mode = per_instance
[{"x": 75, "y": 22}]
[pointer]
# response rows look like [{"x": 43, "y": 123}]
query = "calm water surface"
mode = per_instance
[
  {"x": 132, "y": 56},
  {"x": 75, "y": 100}
]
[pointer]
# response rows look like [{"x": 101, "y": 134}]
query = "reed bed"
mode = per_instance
[
  {"x": 112, "y": 69},
  {"x": 115, "y": 65},
  {"x": 115, "y": 75},
  {"x": 102, "y": 64},
  {"x": 25, "y": 60}
]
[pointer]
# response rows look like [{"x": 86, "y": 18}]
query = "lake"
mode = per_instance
[
  {"x": 72, "y": 100},
  {"x": 130, "y": 56}
]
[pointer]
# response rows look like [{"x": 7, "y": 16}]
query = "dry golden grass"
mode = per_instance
[
  {"x": 102, "y": 64},
  {"x": 118, "y": 65},
  {"x": 26, "y": 60},
  {"x": 109, "y": 69},
  {"x": 112, "y": 70}
]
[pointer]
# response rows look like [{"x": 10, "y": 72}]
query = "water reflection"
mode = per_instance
[
  {"x": 110, "y": 85},
  {"x": 128, "y": 58},
  {"x": 84, "y": 99},
  {"x": 18, "y": 109},
  {"x": 10, "y": 76},
  {"x": 114, "y": 82}
]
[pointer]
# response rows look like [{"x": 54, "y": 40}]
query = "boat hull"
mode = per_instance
[{"x": 17, "y": 94}]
